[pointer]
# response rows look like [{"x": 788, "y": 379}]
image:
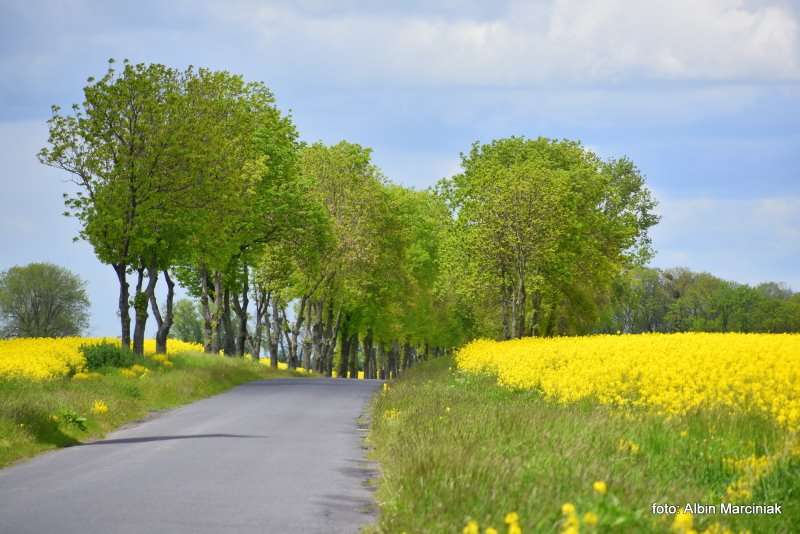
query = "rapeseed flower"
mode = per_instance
[
  {"x": 50, "y": 358},
  {"x": 590, "y": 519},
  {"x": 683, "y": 522},
  {"x": 99, "y": 407},
  {"x": 738, "y": 372},
  {"x": 471, "y": 527}
]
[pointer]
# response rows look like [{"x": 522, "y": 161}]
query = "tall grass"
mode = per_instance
[
  {"x": 39, "y": 415},
  {"x": 456, "y": 447}
]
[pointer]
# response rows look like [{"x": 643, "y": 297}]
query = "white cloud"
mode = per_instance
[{"x": 562, "y": 42}]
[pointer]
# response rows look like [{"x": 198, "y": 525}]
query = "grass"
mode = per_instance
[
  {"x": 38, "y": 416},
  {"x": 455, "y": 448}
]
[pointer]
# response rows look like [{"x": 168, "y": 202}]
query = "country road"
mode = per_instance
[{"x": 266, "y": 457}]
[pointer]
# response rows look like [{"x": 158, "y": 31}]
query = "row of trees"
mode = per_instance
[
  {"x": 195, "y": 176},
  {"x": 679, "y": 300}
]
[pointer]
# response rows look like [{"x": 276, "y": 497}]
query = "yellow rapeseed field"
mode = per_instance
[
  {"x": 48, "y": 358},
  {"x": 673, "y": 374}
]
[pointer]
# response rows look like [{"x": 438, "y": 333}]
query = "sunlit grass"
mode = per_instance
[
  {"x": 455, "y": 448},
  {"x": 37, "y": 415}
]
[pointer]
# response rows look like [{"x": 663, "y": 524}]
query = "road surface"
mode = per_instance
[{"x": 268, "y": 457}]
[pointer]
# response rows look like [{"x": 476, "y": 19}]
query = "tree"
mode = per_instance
[
  {"x": 187, "y": 325},
  {"x": 541, "y": 229},
  {"x": 120, "y": 146},
  {"x": 247, "y": 195},
  {"x": 42, "y": 300}
]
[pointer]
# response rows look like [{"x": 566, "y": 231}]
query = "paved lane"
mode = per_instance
[{"x": 268, "y": 457}]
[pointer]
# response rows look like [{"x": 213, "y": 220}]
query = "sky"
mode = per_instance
[{"x": 703, "y": 96}]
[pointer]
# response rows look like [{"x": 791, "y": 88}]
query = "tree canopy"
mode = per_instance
[{"x": 42, "y": 300}]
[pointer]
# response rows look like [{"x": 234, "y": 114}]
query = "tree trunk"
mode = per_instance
[
  {"x": 344, "y": 354},
  {"x": 369, "y": 364},
  {"x": 216, "y": 314},
  {"x": 382, "y": 361},
  {"x": 124, "y": 304},
  {"x": 140, "y": 303},
  {"x": 273, "y": 334},
  {"x": 261, "y": 298},
  {"x": 307, "y": 342},
  {"x": 353, "y": 360},
  {"x": 293, "y": 338},
  {"x": 316, "y": 335},
  {"x": 394, "y": 354},
  {"x": 506, "y": 309},
  {"x": 520, "y": 303},
  {"x": 240, "y": 308},
  {"x": 329, "y": 339},
  {"x": 205, "y": 308},
  {"x": 228, "y": 334},
  {"x": 164, "y": 323}
]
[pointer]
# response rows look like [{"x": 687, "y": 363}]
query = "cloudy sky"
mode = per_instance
[{"x": 703, "y": 95}]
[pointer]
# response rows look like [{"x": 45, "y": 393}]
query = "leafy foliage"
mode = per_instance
[
  {"x": 104, "y": 354},
  {"x": 42, "y": 300}
]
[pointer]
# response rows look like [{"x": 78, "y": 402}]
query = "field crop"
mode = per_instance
[
  {"x": 625, "y": 433},
  {"x": 49, "y": 358},
  {"x": 672, "y": 374}
]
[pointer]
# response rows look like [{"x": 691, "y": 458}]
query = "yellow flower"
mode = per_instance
[
  {"x": 490, "y": 530},
  {"x": 567, "y": 508},
  {"x": 512, "y": 517},
  {"x": 514, "y": 528},
  {"x": 730, "y": 371},
  {"x": 590, "y": 518},
  {"x": 99, "y": 407},
  {"x": 471, "y": 527},
  {"x": 50, "y": 358},
  {"x": 600, "y": 487},
  {"x": 683, "y": 522}
]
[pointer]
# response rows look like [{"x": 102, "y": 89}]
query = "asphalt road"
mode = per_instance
[{"x": 269, "y": 457}]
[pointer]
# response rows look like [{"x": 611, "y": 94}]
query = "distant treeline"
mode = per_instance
[{"x": 679, "y": 300}]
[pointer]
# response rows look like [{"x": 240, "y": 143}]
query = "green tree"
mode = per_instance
[
  {"x": 187, "y": 324},
  {"x": 247, "y": 195},
  {"x": 541, "y": 230},
  {"x": 121, "y": 147},
  {"x": 42, "y": 300}
]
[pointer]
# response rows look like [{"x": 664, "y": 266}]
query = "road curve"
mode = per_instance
[{"x": 272, "y": 456}]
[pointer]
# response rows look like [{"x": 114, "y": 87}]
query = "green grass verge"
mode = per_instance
[
  {"x": 38, "y": 416},
  {"x": 454, "y": 448}
]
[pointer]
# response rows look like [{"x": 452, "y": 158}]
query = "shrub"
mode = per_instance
[{"x": 107, "y": 355}]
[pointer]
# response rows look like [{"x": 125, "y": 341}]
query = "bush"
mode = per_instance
[{"x": 107, "y": 355}]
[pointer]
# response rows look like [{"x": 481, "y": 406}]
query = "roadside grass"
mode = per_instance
[
  {"x": 36, "y": 416},
  {"x": 455, "y": 447}
]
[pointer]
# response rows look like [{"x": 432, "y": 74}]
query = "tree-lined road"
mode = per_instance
[{"x": 266, "y": 457}]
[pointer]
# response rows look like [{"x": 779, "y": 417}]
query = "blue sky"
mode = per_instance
[{"x": 703, "y": 96}]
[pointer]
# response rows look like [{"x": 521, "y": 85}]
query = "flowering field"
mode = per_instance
[
  {"x": 663, "y": 434},
  {"x": 672, "y": 374},
  {"x": 48, "y": 358}
]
